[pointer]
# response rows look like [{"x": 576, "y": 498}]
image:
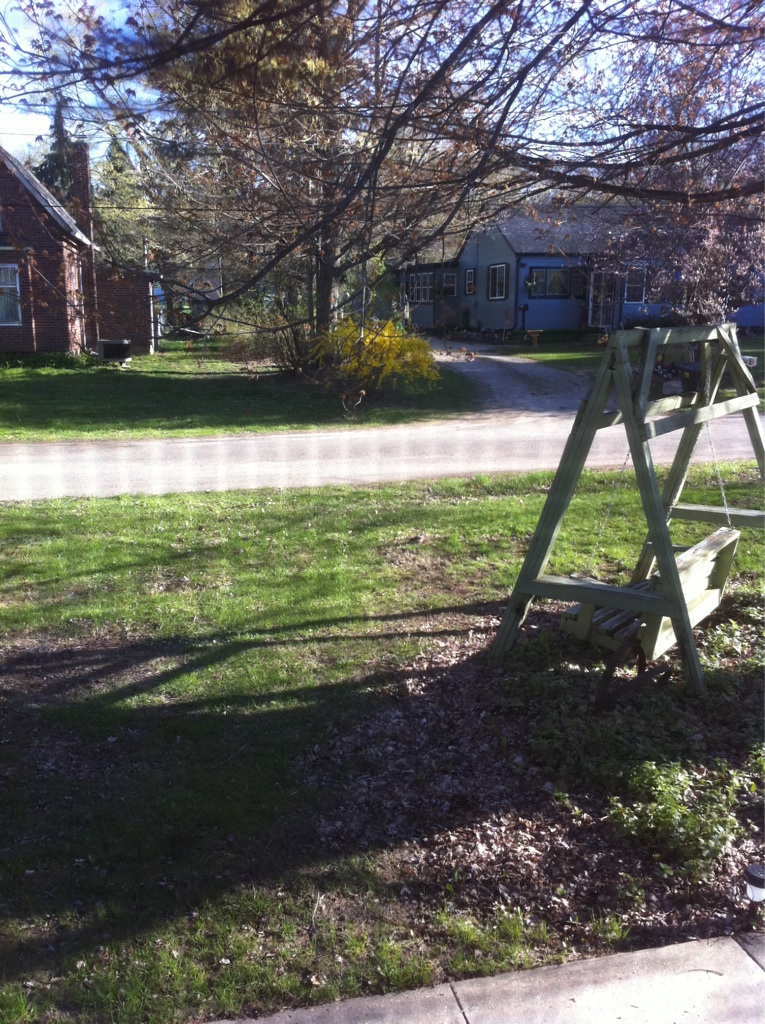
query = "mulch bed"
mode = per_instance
[{"x": 443, "y": 791}]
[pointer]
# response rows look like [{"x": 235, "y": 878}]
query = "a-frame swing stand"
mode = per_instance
[{"x": 658, "y": 608}]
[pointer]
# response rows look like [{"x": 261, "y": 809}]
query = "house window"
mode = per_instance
[
  {"x": 634, "y": 284},
  {"x": 450, "y": 286},
  {"x": 557, "y": 284},
  {"x": 421, "y": 287},
  {"x": 497, "y": 279},
  {"x": 470, "y": 282},
  {"x": 10, "y": 306},
  {"x": 535, "y": 283},
  {"x": 554, "y": 283}
]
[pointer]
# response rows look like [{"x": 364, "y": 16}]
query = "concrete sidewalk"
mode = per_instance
[{"x": 715, "y": 981}]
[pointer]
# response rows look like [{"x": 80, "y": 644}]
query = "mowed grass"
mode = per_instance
[
  {"x": 194, "y": 390},
  {"x": 170, "y": 665},
  {"x": 585, "y": 358}
]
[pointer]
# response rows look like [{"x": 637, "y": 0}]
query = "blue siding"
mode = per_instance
[
  {"x": 547, "y": 313},
  {"x": 530, "y": 281},
  {"x": 489, "y": 248},
  {"x": 751, "y": 316}
]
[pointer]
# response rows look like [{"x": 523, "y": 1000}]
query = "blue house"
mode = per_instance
[{"x": 531, "y": 272}]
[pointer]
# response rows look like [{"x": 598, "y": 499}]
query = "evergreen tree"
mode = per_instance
[
  {"x": 55, "y": 168},
  {"x": 124, "y": 218}
]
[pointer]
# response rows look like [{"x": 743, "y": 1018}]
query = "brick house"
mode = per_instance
[{"x": 54, "y": 297}]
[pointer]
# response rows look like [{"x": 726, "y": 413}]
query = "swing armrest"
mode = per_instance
[
  {"x": 709, "y": 560},
  {"x": 602, "y": 595}
]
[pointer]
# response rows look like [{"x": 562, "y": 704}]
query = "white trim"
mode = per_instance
[
  {"x": 640, "y": 269},
  {"x": 501, "y": 293},
  {"x": 8, "y": 288}
]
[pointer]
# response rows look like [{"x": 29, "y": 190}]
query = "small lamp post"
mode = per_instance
[{"x": 755, "y": 882}]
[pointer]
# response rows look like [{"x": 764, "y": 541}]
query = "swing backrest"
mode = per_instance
[{"x": 703, "y": 570}]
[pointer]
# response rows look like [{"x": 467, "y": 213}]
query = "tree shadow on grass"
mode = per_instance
[
  {"x": 128, "y": 808},
  {"x": 88, "y": 403}
]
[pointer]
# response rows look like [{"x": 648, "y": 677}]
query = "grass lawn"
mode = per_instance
[
  {"x": 586, "y": 358},
  {"x": 253, "y": 756},
  {"x": 187, "y": 391}
]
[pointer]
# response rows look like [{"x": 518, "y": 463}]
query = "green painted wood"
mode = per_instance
[
  {"x": 558, "y": 500},
  {"x": 602, "y": 595},
  {"x": 742, "y": 518},
  {"x": 660, "y": 611},
  {"x": 678, "y": 473},
  {"x": 648, "y": 352},
  {"x": 671, "y": 336},
  {"x": 699, "y": 415},
  {"x": 699, "y": 559},
  {"x": 756, "y": 436},
  {"x": 658, "y": 531}
]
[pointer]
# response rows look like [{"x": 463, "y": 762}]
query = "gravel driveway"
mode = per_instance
[
  {"x": 527, "y": 414},
  {"x": 512, "y": 384}
]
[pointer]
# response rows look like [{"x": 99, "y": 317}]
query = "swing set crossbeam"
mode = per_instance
[
  {"x": 658, "y": 609},
  {"x": 743, "y": 518}
]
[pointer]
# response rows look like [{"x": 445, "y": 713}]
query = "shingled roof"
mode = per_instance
[
  {"x": 571, "y": 230},
  {"x": 43, "y": 197}
]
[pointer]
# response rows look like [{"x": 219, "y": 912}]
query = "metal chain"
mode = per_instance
[
  {"x": 719, "y": 476},
  {"x": 609, "y": 510}
]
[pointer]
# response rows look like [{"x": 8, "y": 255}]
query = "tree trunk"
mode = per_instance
[{"x": 326, "y": 284}]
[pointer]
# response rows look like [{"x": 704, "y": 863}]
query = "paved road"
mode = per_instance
[{"x": 527, "y": 415}]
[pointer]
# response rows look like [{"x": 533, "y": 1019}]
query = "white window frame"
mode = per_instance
[
  {"x": 421, "y": 287},
  {"x": 496, "y": 293},
  {"x": 470, "y": 281},
  {"x": 10, "y": 288},
  {"x": 640, "y": 287},
  {"x": 450, "y": 285}
]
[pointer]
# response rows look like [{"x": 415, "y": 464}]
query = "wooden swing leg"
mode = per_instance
[
  {"x": 607, "y": 694},
  {"x": 512, "y": 620}
]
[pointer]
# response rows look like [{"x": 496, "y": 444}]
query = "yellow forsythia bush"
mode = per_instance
[{"x": 385, "y": 352}]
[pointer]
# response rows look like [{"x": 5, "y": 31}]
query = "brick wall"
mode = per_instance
[
  {"x": 48, "y": 274},
  {"x": 124, "y": 307}
]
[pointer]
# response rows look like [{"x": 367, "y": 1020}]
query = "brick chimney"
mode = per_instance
[
  {"x": 81, "y": 208},
  {"x": 80, "y": 203}
]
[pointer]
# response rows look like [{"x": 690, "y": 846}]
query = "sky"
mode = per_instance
[{"x": 18, "y": 129}]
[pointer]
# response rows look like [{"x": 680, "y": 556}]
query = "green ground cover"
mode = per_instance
[
  {"x": 186, "y": 391},
  {"x": 228, "y": 722}
]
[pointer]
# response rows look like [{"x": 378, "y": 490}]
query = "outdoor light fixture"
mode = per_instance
[{"x": 755, "y": 882}]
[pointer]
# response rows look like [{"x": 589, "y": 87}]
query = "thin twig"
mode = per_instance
[{"x": 221, "y": 763}]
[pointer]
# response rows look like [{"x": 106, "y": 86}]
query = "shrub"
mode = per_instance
[
  {"x": 385, "y": 352},
  {"x": 685, "y": 815}
]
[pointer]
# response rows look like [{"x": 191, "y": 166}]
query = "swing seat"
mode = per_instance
[{"x": 703, "y": 571}]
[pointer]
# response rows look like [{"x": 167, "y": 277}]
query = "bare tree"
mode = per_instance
[{"x": 313, "y": 136}]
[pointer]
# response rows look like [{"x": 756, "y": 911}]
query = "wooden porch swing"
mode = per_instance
[{"x": 672, "y": 589}]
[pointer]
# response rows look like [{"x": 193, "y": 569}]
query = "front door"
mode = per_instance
[{"x": 602, "y": 299}]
